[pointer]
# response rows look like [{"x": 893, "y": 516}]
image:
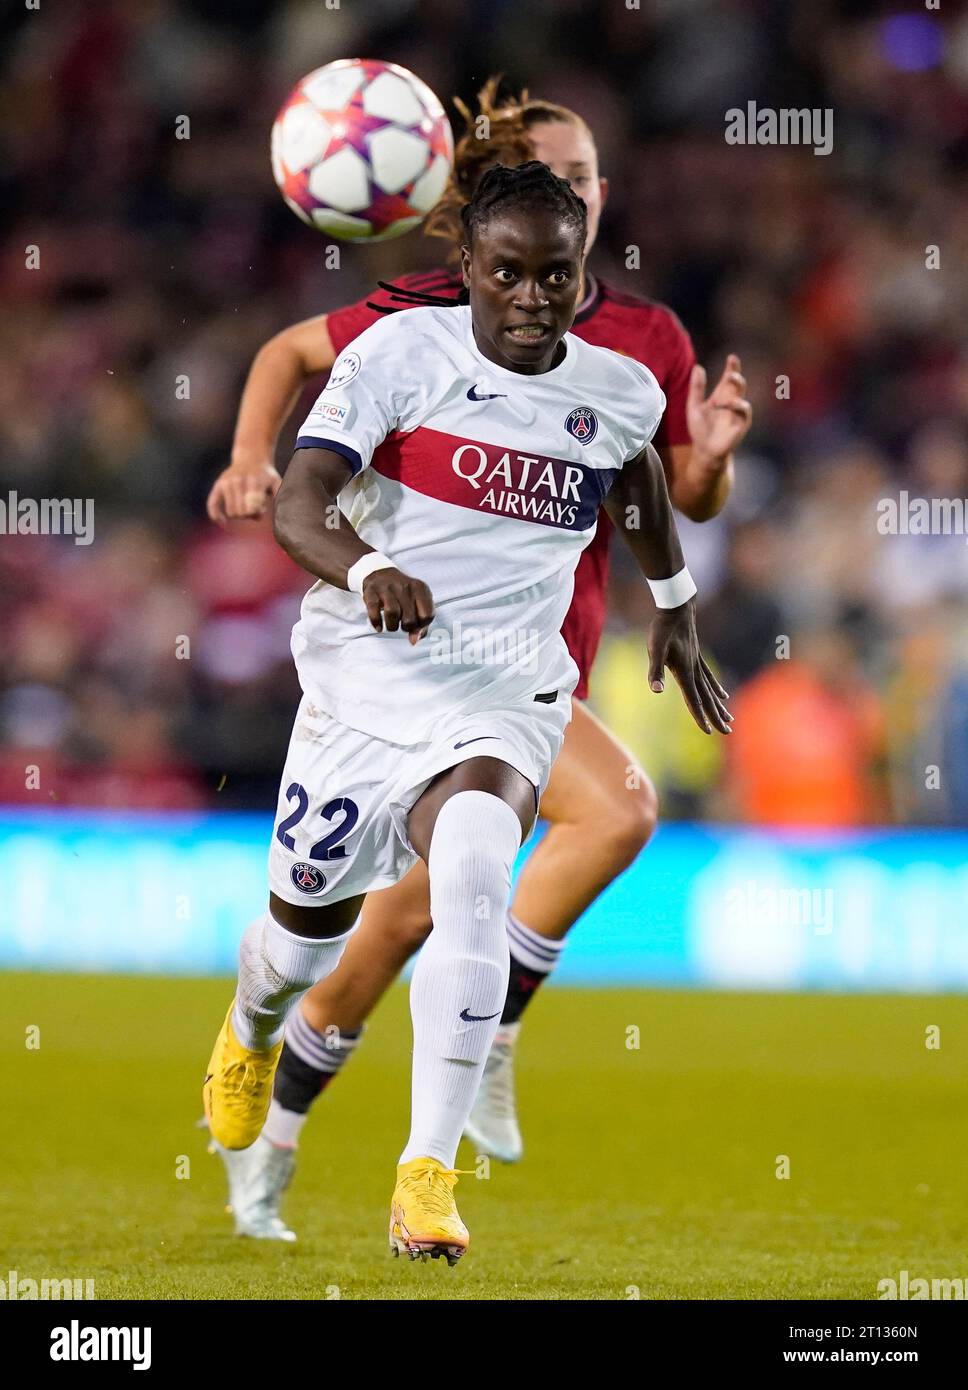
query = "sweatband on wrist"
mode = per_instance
[
  {"x": 364, "y": 567},
  {"x": 674, "y": 591}
]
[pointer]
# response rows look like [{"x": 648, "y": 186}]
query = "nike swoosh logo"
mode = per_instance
[
  {"x": 473, "y": 396},
  {"x": 465, "y": 741},
  {"x": 476, "y": 1018}
]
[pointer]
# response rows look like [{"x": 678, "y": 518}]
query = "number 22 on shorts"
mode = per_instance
[{"x": 330, "y": 846}]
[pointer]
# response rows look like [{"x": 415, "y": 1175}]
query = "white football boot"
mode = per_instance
[
  {"x": 258, "y": 1176},
  {"x": 492, "y": 1126}
]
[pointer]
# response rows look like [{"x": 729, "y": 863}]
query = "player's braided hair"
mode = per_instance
[
  {"x": 530, "y": 185},
  {"x": 498, "y": 134}
]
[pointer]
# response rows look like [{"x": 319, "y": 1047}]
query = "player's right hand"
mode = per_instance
[
  {"x": 242, "y": 492},
  {"x": 394, "y": 600}
]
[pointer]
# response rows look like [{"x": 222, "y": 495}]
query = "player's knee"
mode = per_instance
[
  {"x": 475, "y": 839},
  {"x": 633, "y": 816},
  {"x": 466, "y": 869},
  {"x": 477, "y": 880}
]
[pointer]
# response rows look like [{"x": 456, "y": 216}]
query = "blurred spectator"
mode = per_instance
[
  {"x": 743, "y": 623},
  {"x": 808, "y": 740}
]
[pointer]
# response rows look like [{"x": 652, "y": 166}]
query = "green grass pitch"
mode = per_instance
[{"x": 649, "y": 1169}]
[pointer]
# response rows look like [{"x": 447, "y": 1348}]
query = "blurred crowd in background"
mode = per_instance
[{"x": 846, "y": 650}]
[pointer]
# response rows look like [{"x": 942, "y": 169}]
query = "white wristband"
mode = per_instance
[
  {"x": 364, "y": 567},
  {"x": 674, "y": 591}
]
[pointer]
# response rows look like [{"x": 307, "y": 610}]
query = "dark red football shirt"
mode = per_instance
[{"x": 607, "y": 318}]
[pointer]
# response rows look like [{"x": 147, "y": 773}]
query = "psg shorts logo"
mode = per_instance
[
  {"x": 307, "y": 878},
  {"x": 583, "y": 424},
  {"x": 344, "y": 370}
]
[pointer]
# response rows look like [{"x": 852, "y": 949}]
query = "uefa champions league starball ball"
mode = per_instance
[{"x": 361, "y": 150}]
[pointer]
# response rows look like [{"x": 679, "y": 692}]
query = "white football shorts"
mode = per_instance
[{"x": 341, "y": 821}]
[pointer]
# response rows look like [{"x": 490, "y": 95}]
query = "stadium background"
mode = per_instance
[{"x": 142, "y": 847}]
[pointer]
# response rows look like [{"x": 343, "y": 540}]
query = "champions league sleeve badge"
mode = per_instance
[{"x": 345, "y": 369}]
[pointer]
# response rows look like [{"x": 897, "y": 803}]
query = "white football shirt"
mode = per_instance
[{"x": 483, "y": 482}]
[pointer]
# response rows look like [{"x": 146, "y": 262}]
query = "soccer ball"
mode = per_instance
[{"x": 362, "y": 150}]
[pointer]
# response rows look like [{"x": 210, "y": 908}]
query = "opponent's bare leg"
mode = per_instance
[
  {"x": 395, "y": 922},
  {"x": 601, "y": 810}
]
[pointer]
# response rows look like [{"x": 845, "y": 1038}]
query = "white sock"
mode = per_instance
[
  {"x": 462, "y": 969},
  {"x": 276, "y": 968},
  {"x": 282, "y": 1126},
  {"x": 539, "y": 953}
]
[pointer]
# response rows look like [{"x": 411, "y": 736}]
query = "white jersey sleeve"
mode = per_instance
[
  {"x": 646, "y": 394},
  {"x": 370, "y": 389}
]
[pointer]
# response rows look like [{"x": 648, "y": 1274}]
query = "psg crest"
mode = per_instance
[
  {"x": 307, "y": 878},
  {"x": 583, "y": 424}
]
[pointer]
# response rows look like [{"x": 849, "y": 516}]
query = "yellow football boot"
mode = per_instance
[
  {"x": 423, "y": 1214},
  {"x": 238, "y": 1089}
]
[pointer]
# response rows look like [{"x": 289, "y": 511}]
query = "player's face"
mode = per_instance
[
  {"x": 569, "y": 152},
  {"x": 524, "y": 274}
]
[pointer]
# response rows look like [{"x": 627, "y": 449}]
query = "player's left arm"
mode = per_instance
[
  {"x": 639, "y": 507},
  {"x": 700, "y": 474}
]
